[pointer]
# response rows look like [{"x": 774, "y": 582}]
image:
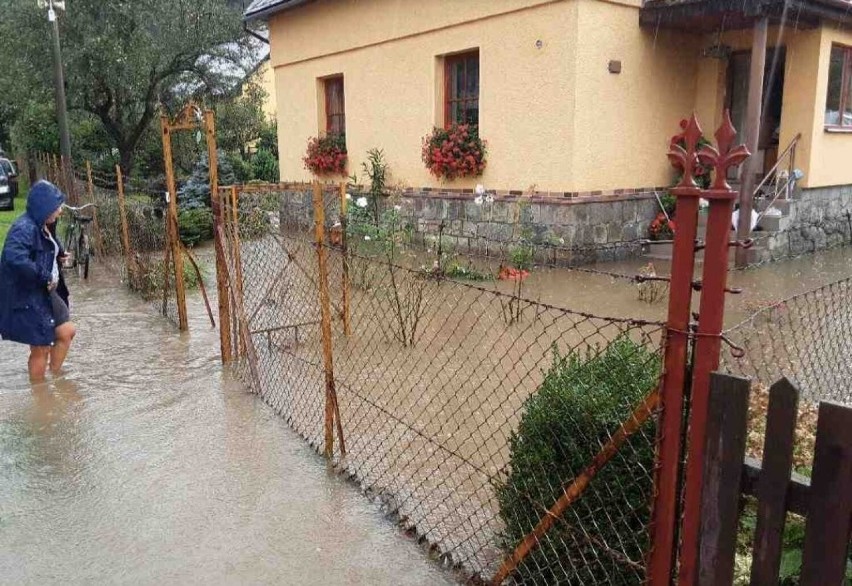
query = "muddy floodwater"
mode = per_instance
[{"x": 145, "y": 464}]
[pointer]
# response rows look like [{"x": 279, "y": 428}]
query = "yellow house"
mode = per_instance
[
  {"x": 577, "y": 99},
  {"x": 264, "y": 76}
]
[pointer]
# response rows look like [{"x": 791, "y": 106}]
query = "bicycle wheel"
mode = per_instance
[
  {"x": 71, "y": 242},
  {"x": 83, "y": 258}
]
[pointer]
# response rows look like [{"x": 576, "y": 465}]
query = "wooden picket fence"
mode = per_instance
[{"x": 825, "y": 500}]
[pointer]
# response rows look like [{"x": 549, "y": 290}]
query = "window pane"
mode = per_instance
[
  {"x": 847, "y": 109},
  {"x": 473, "y": 77},
  {"x": 458, "y": 86},
  {"x": 335, "y": 106},
  {"x": 461, "y": 103},
  {"x": 835, "y": 90}
]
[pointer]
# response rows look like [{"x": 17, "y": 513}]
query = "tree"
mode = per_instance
[
  {"x": 196, "y": 193},
  {"x": 241, "y": 120},
  {"x": 123, "y": 58}
]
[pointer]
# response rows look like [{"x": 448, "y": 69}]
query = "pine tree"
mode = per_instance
[{"x": 196, "y": 193}]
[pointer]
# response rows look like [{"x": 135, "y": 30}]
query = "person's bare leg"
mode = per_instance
[
  {"x": 37, "y": 363},
  {"x": 64, "y": 336}
]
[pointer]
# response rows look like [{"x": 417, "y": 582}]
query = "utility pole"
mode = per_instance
[{"x": 61, "y": 108}]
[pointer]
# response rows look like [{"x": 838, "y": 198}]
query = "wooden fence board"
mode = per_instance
[
  {"x": 724, "y": 452},
  {"x": 829, "y": 520},
  {"x": 772, "y": 485}
]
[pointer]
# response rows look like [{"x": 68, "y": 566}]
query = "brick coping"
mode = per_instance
[{"x": 547, "y": 197}]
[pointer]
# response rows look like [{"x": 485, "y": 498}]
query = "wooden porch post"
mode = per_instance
[{"x": 753, "y": 116}]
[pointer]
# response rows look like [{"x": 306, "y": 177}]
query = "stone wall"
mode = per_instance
[
  {"x": 568, "y": 230},
  {"x": 818, "y": 218}
]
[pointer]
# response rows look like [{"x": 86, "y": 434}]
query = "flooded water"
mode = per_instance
[
  {"x": 145, "y": 464},
  {"x": 604, "y": 295}
]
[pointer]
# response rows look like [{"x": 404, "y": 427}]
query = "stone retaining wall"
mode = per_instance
[{"x": 819, "y": 218}]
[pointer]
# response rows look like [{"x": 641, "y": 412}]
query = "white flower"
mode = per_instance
[
  {"x": 489, "y": 198},
  {"x": 348, "y": 196},
  {"x": 480, "y": 189},
  {"x": 366, "y": 238},
  {"x": 397, "y": 208},
  {"x": 561, "y": 241},
  {"x": 361, "y": 202},
  {"x": 478, "y": 200}
]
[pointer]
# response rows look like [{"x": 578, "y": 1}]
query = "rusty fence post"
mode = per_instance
[
  {"x": 222, "y": 292},
  {"x": 221, "y": 277},
  {"x": 236, "y": 248},
  {"x": 172, "y": 225},
  {"x": 90, "y": 186},
  {"x": 344, "y": 244},
  {"x": 129, "y": 259},
  {"x": 331, "y": 409}
]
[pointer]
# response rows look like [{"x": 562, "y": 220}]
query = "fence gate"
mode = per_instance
[{"x": 275, "y": 308}]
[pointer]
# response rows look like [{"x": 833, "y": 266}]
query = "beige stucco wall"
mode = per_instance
[
  {"x": 554, "y": 117},
  {"x": 391, "y": 85},
  {"x": 831, "y": 153},
  {"x": 623, "y": 123},
  {"x": 265, "y": 76}
]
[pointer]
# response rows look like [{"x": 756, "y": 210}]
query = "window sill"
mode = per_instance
[{"x": 838, "y": 129}]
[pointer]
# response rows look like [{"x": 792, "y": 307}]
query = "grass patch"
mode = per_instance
[{"x": 6, "y": 218}]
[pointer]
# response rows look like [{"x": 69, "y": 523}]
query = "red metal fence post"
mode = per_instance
[
  {"x": 687, "y": 155},
  {"x": 708, "y": 344},
  {"x": 665, "y": 513}
]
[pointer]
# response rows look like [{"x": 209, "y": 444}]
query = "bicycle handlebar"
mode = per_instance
[{"x": 79, "y": 209}]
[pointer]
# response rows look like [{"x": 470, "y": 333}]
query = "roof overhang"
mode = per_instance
[
  {"x": 715, "y": 15},
  {"x": 265, "y": 8}
]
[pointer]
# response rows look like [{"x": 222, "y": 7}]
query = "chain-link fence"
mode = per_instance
[
  {"x": 509, "y": 434},
  {"x": 807, "y": 338}
]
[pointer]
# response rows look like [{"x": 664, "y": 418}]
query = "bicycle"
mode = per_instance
[{"x": 77, "y": 242}]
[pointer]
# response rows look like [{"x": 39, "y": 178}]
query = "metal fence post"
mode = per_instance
[
  {"x": 125, "y": 232},
  {"x": 344, "y": 244},
  {"x": 708, "y": 344},
  {"x": 172, "y": 225},
  {"x": 331, "y": 409},
  {"x": 669, "y": 436},
  {"x": 90, "y": 187}
]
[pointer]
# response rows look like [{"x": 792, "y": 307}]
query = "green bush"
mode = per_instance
[
  {"x": 196, "y": 225},
  {"x": 264, "y": 166},
  {"x": 582, "y": 401},
  {"x": 522, "y": 257}
]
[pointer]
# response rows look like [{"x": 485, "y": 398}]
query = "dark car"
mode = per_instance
[
  {"x": 7, "y": 200},
  {"x": 11, "y": 173}
]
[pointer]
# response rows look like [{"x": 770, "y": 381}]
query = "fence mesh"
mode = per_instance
[
  {"x": 467, "y": 409},
  {"x": 807, "y": 338}
]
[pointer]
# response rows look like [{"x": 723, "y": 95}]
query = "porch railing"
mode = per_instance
[{"x": 781, "y": 179}]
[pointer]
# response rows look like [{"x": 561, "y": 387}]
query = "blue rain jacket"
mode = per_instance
[{"x": 26, "y": 264}]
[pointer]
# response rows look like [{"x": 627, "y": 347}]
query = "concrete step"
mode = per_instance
[{"x": 775, "y": 223}]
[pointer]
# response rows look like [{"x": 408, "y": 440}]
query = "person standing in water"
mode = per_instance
[{"x": 33, "y": 295}]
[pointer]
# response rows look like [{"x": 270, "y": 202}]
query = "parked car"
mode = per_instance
[
  {"x": 11, "y": 173},
  {"x": 7, "y": 200}
]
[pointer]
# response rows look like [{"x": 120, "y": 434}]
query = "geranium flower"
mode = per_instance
[{"x": 361, "y": 202}]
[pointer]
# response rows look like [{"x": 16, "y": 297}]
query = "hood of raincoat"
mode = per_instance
[{"x": 44, "y": 199}]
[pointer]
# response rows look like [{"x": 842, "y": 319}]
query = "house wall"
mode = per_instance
[
  {"x": 554, "y": 117},
  {"x": 831, "y": 152},
  {"x": 265, "y": 76},
  {"x": 623, "y": 123}
]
